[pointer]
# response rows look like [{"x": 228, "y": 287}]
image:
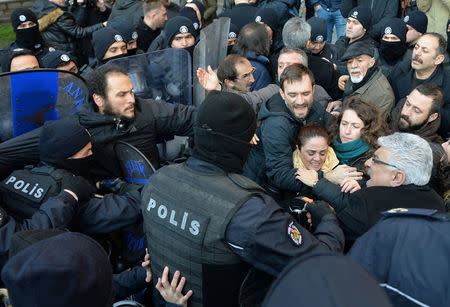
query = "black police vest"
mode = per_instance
[
  {"x": 186, "y": 214},
  {"x": 23, "y": 191}
]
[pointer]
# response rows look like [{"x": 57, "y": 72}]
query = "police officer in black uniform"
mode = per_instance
[
  {"x": 44, "y": 197},
  {"x": 208, "y": 221},
  {"x": 65, "y": 151}
]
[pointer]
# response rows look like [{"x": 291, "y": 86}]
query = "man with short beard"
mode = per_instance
[
  {"x": 270, "y": 162},
  {"x": 366, "y": 80},
  {"x": 113, "y": 113},
  {"x": 425, "y": 67},
  {"x": 419, "y": 113}
]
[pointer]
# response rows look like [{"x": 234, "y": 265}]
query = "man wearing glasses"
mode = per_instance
[{"x": 399, "y": 174}]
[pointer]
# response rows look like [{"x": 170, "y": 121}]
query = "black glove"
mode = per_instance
[
  {"x": 78, "y": 185},
  {"x": 318, "y": 210}
]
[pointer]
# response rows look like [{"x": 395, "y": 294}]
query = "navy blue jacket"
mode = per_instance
[
  {"x": 401, "y": 79},
  {"x": 382, "y": 10},
  {"x": 271, "y": 159},
  {"x": 262, "y": 75},
  {"x": 407, "y": 252}
]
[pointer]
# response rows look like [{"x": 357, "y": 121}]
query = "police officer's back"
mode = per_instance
[
  {"x": 205, "y": 219},
  {"x": 407, "y": 252}
]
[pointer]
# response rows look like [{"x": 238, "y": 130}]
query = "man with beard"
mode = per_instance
[
  {"x": 108, "y": 44},
  {"x": 366, "y": 80},
  {"x": 419, "y": 113},
  {"x": 113, "y": 113},
  {"x": 26, "y": 27},
  {"x": 425, "y": 67},
  {"x": 270, "y": 161},
  {"x": 392, "y": 45}
]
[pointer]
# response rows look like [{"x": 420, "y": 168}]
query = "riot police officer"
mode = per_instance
[{"x": 207, "y": 220}]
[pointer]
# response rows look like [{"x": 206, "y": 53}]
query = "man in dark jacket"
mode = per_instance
[
  {"x": 270, "y": 161},
  {"x": 399, "y": 174},
  {"x": 41, "y": 197},
  {"x": 223, "y": 220},
  {"x": 381, "y": 10},
  {"x": 26, "y": 27},
  {"x": 425, "y": 66},
  {"x": 114, "y": 114},
  {"x": 318, "y": 42},
  {"x": 59, "y": 27},
  {"x": 150, "y": 25},
  {"x": 392, "y": 44}
]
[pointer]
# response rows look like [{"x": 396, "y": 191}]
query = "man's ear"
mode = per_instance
[
  {"x": 398, "y": 179},
  {"x": 281, "y": 93},
  {"x": 99, "y": 101},
  {"x": 439, "y": 59},
  {"x": 433, "y": 117},
  {"x": 372, "y": 61},
  {"x": 228, "y": 83},
  {"x": 308, "y": 44}
]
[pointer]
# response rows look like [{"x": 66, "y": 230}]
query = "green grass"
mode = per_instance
[{"x": 7, "y": 35}]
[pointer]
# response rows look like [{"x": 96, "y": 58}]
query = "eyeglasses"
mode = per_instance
[
  {"x": 247, "y": 75},
  {"x": 383, "y": 163}
]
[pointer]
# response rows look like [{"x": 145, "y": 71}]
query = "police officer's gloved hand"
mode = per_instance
[
  {"x": 79, "y": 186},
  {"x": 318, "y": 210}
]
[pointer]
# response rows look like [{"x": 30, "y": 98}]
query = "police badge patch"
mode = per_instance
[
  {"x": 387, "y": 30},
  {"x": 183, "y": 29},
  {"x": 258, "y": 19},
  {"x": 65, "y": 58},
  {"x": 118, "y": 38},
  {"x": 22, "y": 18},
  {"x": 319, "y": 38},
  {"x": 294, "y": 233},
  {"x": 134, "y": 35},
  {"x": 355, "y": 15},
  {"x": 406, "y": 19},
  {"x": 231, "y": 35}
]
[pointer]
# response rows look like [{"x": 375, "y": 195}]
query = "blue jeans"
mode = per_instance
[{"x": 333, "y": 19}]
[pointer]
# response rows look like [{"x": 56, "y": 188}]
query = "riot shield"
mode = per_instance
[
  {"x": 160, "y": 75},
  {"x": 210, "y": 50},
  {"x": 135, "y": 166},
  {"x": 30, "y": 98}
]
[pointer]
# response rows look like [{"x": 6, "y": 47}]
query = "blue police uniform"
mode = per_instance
[{"x": 407, "y": 251}]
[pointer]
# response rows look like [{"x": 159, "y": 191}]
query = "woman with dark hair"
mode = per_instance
[
  {"x": 354, "y": 135},
  {"x": 313, "y": 150},
  {"x": 253, "y": 42},
  {"x": 355, "y": 132}
]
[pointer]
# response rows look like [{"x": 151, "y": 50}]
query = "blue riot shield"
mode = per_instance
[
  {"x": 135, "y": 166},
  {"x": 160, "y": 75},
  {"x": 30, "y": 98}
]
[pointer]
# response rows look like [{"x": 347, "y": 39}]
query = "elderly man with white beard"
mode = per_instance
[{"x": 366, "y": 80}]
